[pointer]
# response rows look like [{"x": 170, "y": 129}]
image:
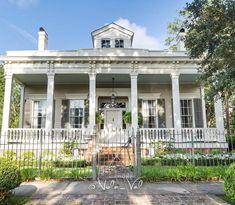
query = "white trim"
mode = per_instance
[
  {"x": 37, "y": 96},
  {"x": 149, "y": 96},
  {"x": 76, "y": 96},
  {"x": 189, "y": 96}
]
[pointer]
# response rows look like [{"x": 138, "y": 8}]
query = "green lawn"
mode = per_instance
[
  {"x": 182, "y": 173},
  {"x": 15, "y": 200},
  {"x": 225, "y": 198},
  {"x": 56, "y": 173}
]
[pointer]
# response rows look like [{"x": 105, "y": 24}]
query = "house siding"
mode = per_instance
[{"x": 66, "y": 91}]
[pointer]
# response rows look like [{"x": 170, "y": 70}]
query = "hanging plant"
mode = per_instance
[
  {"x": 127, "y": 118},
  {"x": 99, "y": 118}
]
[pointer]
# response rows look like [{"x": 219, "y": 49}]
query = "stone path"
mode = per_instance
[{"x": 87, "y": 192}]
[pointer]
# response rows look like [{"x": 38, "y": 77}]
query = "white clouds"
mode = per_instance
[
  {"x": 26, "y": 35},
  {"x": 23, "y": 3},
  {"x": 141, "y": 38}
]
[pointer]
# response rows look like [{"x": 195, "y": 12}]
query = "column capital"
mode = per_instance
[
  {"x": 50, "y": 75},
  {"x": 133, "y": 75},
  {"x": 175, "y": 75},
  {"x": 8, "y": 75},
  {"x": 92, "y": 76}
]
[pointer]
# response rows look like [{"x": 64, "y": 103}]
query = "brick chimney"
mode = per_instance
[{"x": 42, "y": 39}]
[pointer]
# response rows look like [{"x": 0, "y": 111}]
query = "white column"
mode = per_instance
[
  {"x": 176, "y": 100},
  {"x": 6, "y": 107},
  {"x": 92, "y": 100},
  {"x": 219, "y": 117},
  {"x": 22, "y": 94},
  {"x": 50, "y": 101},
  {"x": 203, "y": 107},
  {"x": 134, "y": 102}
]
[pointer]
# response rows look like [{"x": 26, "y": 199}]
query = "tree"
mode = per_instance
[
  {"x": 210, "y": 37},
  {"x": 15, "y": 100},
  {"x": 2, "y": 83},
  {"x": 173, "y": 29}
]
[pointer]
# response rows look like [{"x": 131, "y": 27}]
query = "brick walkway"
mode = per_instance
[{"x": 67, "y": 192}]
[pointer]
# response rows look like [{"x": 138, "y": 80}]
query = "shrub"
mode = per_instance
[
  {"x": 70, "y": 163},
  {"x": 229, "y": 182},
  {"x": 231, "y": 142},
  {"x": 28, "y": 155},
  {"x": 9, "y": 154},
  {"x": 68, "y": 148},
  {"x": 10, "y": 176},
  {"x": 28, "y": 174},
  {"x": 47, "y": 154}
]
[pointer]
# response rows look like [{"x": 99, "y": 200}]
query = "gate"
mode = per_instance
[{"x": 115, "y": 153}]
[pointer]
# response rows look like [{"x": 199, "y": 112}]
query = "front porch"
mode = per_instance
[{"x": 167, "y": 103}]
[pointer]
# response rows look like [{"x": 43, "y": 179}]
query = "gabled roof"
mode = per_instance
[{"x": 114, "y": 26}]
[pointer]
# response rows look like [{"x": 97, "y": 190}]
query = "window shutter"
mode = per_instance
[
  {"x": 172, "y": 113},
  {"x": 161, "y": 113},
  {"x": 198, "y": 113},
  {"x": 86, "y": 112},
  {"x": 140, "y": 123},
  {"x": 65, "y": 114}
]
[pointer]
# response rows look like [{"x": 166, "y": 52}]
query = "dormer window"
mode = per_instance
[
  {"x": 119, "y": 43},
  {"x": 105, "y": 43}
]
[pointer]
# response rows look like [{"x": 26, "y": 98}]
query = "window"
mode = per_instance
[
  {"x": 186, "y": 113},
  {"x": 119, "y": 43},
  {"x": 105, "y": 43},
  {"x": 73, "y": 113},
  {"x": 153, "y": 112},
  {"x": 76, "y": 113},
  {"x": 39, "y": 114}
]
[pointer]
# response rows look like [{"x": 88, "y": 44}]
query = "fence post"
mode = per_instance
[
  {"x": 94, "y": 174},
  {"x": 40, "y": 152},
  {"x": 138, "y": 153}
]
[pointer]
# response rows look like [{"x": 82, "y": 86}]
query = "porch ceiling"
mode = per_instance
[{"x": 41, "y": 79}]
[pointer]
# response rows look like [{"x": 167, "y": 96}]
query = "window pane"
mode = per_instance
[
  {"x": 105, "y": 43},
  {"x": 39, "y": 114},
  {"x": 186, "y": 113},
  {"x": 76, "y": 112}
]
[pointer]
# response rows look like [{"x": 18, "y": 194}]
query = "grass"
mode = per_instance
[
  {"x": 226, "y": 199},
  {"x": 15, "y": 200},
  {"x": 56, "y": 173},
  {"x": 182, "y": 173}
]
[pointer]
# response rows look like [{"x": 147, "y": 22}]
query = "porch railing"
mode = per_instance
[
  {"x": 27, "y": 135},
  {"x": 185, "y": 137}
]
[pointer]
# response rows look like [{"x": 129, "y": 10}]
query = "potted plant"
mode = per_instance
[{"x": 127, "y": 118}]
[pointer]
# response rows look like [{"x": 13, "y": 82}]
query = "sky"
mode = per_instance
[{"x": 69, "y": 23}]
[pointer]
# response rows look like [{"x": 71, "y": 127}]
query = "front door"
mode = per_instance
[{"x": 112, "y": 122}]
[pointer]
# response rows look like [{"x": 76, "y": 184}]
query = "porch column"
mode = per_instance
[
  {"x": 6, "y": 107},
  {"x": 134, "y": 102},
  {"x": 50, "y": 101},
  {"x": 176, "y": 100},
  {"x": 92, "y": 100},
  {"x": 203, "y": 107},
  {"x": 22, "y": 95},
  {"x": 219, "y": 117}
]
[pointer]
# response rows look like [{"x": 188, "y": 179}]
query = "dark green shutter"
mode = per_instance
[
  {"x": 140, "y": 118},
  {"x": 86, "y": 110},
  {"x": 65, "y": 113},
  {"x": 198, "y": 113},
  {"x": 161, "y": 113}
]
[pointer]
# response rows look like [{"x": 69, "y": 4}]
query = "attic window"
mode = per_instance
[
  {"x": 105, "y": 43},
  {"x": 119, "y": 43}
]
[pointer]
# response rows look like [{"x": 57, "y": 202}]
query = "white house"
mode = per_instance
[{"x": 64, "y": 89}]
